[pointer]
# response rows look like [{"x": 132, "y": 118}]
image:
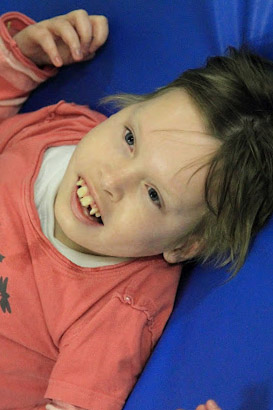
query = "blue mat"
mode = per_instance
[{"x": 218, "y": 342}]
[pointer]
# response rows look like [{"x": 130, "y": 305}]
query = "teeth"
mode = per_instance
[
  {"x": 86, "y": 201},
  {"x": 82, "y": 191},
  {"x": 80, "y": 182},
  {"x": 94, "y": 211}
]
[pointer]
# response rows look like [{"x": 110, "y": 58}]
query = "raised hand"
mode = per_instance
[{"x": 64, "y": 39}]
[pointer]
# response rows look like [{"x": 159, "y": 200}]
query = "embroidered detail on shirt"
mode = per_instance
[{"x": 4, "y": 302}]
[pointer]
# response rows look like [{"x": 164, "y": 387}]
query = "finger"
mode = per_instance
[
  {"x": 211, "y": 405},
  {"x": 64, "y": 29},
  {"x": 89, "y": 57},
  {"x": 100, "y": 31},
  {"x": 46, "y": 41},
  {"x": 83, "y": 26}
]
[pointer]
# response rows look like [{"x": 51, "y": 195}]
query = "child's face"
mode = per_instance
[{"x": 137, "y": 166}]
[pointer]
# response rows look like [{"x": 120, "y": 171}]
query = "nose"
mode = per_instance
[{"x": 117, "y": 181}]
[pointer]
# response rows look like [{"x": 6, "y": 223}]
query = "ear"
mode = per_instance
[{"x": 183, "y": 252}]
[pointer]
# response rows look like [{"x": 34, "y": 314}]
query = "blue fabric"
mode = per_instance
[{"x": 218, "y": 342}]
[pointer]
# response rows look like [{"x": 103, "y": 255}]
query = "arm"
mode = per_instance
[
  {"x": 101, "y": 359},
  {"x": 18, "y": 75},
  {"x": 30, "y": 52}
]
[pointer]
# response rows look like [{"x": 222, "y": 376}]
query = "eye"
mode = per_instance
[
  {"x": 129, "y": 137},
  {"x": 154, "y": 196}
]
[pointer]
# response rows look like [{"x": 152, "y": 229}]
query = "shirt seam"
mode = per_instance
[
  {"x": 122, "y": 298},
  {"x": 87, "y": 393}
]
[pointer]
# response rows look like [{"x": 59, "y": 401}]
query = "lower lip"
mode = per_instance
[{"x": 79, "y": 211}]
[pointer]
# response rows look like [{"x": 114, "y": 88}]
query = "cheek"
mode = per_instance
[
  {"x": 135, "y": 226},
  {"x": 147, "y": 230},
  {"x": 88, "y": 151}
]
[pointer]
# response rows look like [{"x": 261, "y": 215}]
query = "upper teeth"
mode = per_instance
[
  {"x": 82, "y": 191},
  {"x": 95, "y": 211},
  {"x": 87, "y": 200}
]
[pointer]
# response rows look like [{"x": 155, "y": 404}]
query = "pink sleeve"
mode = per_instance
[
  {"x": 18, "y": 75},
  {"x": 99, "y": 363}
]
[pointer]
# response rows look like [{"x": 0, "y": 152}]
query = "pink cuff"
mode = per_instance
[{"x": 10, "y": 24}]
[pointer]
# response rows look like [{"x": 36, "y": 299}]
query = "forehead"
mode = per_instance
[{"x": 172, "y": 110}]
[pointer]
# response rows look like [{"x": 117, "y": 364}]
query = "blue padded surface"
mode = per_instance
[
  {"x": 151, "y": 42},
  {"x": 218, "y": 342}
]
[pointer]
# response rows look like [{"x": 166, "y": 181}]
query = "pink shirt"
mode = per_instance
[{"x": 67, "y": 333}]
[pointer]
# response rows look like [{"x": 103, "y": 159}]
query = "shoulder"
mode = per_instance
[{"x": 152, "y": 278}]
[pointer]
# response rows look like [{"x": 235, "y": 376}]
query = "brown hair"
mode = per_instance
[{"x": 234, "y": 94}]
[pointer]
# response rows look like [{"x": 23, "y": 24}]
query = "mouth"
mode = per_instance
[{"x": 86, "y": 203}]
